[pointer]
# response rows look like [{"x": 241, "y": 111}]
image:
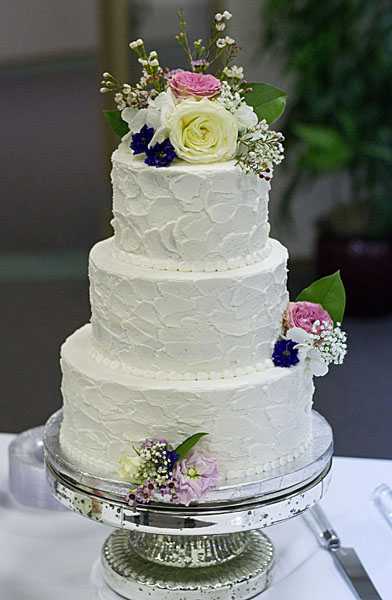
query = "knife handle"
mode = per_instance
[
  {"x": 382, "y": 497},
  {"x": 318, "y": 522}
]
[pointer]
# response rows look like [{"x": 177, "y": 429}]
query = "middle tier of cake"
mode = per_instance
[{"x": 186, "y": 325}]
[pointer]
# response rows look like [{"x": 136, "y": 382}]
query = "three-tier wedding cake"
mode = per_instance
[{"x": 189, "y": 301}]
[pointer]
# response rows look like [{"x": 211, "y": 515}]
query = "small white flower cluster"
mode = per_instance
[
  {"x": 150, "y": 461},
  {"x": 225, "y": 16},
  {"x": 226, "y": 41},
  {"x": 229, "y": 99},
  {"x": 151, "y": 61},
  {"x": 234, "y": 102},
  {"x": 264, "y": 148},
  {"x": 136, "y": 43},
  {"x": 234, "y": 72},
  {"x": 330, "y": 341},
  {"x": 121, "y": 99},
  {"x": 220, "y": 19}
]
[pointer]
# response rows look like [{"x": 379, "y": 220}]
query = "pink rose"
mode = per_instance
[
  {"x": 186, "y": 84},
  {"x": 195, "y": 475},
  {"x": 303, "y": 314}
]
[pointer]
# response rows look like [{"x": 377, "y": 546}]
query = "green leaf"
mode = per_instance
[
  {"x": 318, "y": 135},
  {"x": 116, "y": 122},
  {"x": 267, "y": 101},
  {"x": 326, "y": 148},
  {"x": 329, "y": 292},
  {"x": 186, "y": 446},
  {"x": 322, "y": 161}
]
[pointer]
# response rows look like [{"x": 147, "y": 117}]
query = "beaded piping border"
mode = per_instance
[
  {"x": 107, "y": 469},
  {"x": 190, "y": 267},
  {"x": 116, "y": 365}
]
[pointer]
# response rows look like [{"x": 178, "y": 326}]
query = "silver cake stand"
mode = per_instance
[{"x": 213, "y": 549}]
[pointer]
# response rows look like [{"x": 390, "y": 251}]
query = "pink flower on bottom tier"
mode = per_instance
[
  {"x": 303, "y": 314},
  {"x": 195, "y": 475},
  {"x": 186, "y": 84}
]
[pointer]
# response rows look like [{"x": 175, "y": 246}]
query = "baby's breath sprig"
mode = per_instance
[
  {"x": 153, "y": 474},
  {"x": 330, "y": 341},
  {"x": 264, "y": 149}
]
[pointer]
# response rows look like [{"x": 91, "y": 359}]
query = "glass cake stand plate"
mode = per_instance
[{"x": 212, "y": 549}]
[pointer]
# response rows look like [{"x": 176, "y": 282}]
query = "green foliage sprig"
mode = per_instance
[
  {"x": 183, "y": 449},
  {"x": 330, "y": 293}
]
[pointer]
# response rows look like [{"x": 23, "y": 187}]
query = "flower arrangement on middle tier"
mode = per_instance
[
  {"x": 197, "y": 116},
  {"x": 311, "y": 328}
]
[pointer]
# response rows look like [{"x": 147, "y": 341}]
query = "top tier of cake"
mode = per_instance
[{"x": 188, "y": 217}]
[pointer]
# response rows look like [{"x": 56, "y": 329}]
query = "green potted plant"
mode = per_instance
[{"x": 340, "y": 120}]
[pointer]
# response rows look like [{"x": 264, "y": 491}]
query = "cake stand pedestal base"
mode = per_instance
[
  {"x": 239, "y": 576},
  {"x": 212, "y": 549}
]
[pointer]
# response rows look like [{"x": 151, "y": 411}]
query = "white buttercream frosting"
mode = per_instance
[
  {"x": 255, "y": 423},
  {"x": 115, "y": 365},
  {"x": 188, "y": 217},
  {"x": 187, "y": 301},
  {"x": 192, "y": 265},
  {"x": 186, "y": 324}
]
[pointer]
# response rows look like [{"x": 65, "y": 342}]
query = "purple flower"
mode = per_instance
[
  {"x": 195, "y": 475},
  {"x": 142, "y": 494},
  {"x": 172, "y": 72},
  {"x": 167, "y": 459},
  {"x": 141, "y": 140},
  {"x": 201, "y": 62},
  {"x": 161, "y": 154},
  {"x": 285, "y": 353}
]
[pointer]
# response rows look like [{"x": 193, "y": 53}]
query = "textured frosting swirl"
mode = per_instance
[
  {"x": 186, "y": 323},
  {"x": 106, "y": 413},
  {"x": 197, "y": 215}
]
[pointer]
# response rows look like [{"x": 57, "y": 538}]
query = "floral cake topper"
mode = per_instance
[
  {"x": 182, "y": 475},
  {"x": 312, "y": 327},
  {"x": 196, "y": 115}
]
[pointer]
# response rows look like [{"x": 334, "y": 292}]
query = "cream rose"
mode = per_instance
[
  {"x": 129, "y": 467},
  {"x": 203, "y": 131}
]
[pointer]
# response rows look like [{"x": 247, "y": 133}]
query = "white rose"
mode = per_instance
[
  {"x": 245, "y": 117},
  {"x": 203, "y": 131},
  {"x": 129, "y": 467}
]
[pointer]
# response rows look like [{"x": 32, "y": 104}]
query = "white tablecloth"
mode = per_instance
[{"x": 49, "y": 555}]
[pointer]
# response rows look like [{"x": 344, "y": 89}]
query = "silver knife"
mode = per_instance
[{"x": 347, "y": 558}]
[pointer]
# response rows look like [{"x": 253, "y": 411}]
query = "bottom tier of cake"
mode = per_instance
[{"x": 254, "y": 422}]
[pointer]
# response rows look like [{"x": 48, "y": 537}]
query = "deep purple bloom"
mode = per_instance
[
  {"x": 161, "y": 154},
  {"x": 199, "y": 63},
  {"x": 172, "y": 72},
  {"x": 141, "y": 140},
  {"x": 169, "y": 456},
  {"x": 285, "y": 353}
]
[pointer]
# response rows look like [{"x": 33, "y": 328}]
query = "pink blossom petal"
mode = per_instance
[{"x": 186, "y": 84}]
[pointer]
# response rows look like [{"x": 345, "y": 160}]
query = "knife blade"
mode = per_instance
[{"x": 346, "y": 558}]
